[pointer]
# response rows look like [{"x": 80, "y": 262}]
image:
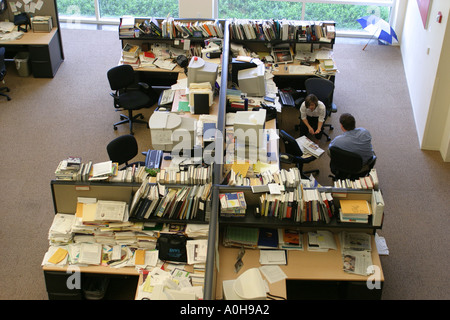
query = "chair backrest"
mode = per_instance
[
  {"x": 121, "y": 77},
  {"x": 2, "y": 63},
  {"x": 122, "y": 149},
  {"x": 289, "y": 120},
  {"x": 322, "y": 88},
  {"x": 345, "y": 161},
  {"x": 290, "y": 145},
  {"x": 348, "y": 165}
]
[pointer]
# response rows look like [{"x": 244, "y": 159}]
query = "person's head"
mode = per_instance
[
  {"x": 311, "y": 101},
  {"x": 347, "y": 121}
]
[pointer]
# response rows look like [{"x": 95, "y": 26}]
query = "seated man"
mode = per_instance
[
  {"x": 312, "y": 115},
  {"x": 357, "y": 140}
]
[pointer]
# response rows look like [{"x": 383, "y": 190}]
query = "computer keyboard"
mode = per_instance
[
  {"x": 153, "y": 159},
  {"x": 286, "y": 99}
]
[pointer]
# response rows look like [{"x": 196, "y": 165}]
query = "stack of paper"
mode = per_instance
[
  {"x": 56, "y": 256},
  {"x": 102, "y": 170},
  {"x": 146, "y": 59},
  {"x": 356, "y": 252},
  {"x": 272, "y": 257},
  {"x": 60, "y": 232},
  {"x": 321, "y": 241},
  {"x": 197, "y": 230},
  {"x": 90, "y": 253},
  {"x": 196, "y": 251}
]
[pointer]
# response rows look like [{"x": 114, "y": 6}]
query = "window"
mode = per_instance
[
  {"x": 109, "y": 11},
  {"x": 345, "y": 13}
]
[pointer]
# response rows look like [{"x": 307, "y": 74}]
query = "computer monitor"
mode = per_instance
[
  {"x": 251, "y": 81},
  {"x": 249, "y": 127},
  {"x": 172, "y": 132},
  {"x": 236, "y": 66},
  {"x": 248, "y": 286},
  {"x": 200, "y": 71}
]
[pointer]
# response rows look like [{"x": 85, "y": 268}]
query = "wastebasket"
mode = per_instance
[{"x": 22, "y": 63}]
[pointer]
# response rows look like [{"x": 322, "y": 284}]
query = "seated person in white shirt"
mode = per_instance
[
  {"x": 357, "y": 140},
  {"x": 312, "y": 115}
]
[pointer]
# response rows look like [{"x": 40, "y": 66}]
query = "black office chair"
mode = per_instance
[
  {"x": 348, "y": 165},
  {"x": 323, "y": 89},
  {"x": 122, "y": 149},
  {"x": 290, "y": 153},
  {"x": 3, "y": 73},
  {"x": 126, "y": 97}
]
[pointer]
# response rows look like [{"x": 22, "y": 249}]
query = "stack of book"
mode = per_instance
[
  {"x": 126, "y": 28},
  {"x": 241, "y": 237},
  {"x": 355, "y": 211},
  {"x": 290, "y": 239},
  {"x": 232, "y": 204},
  {"x": 70, "y": 169},
  {"x": 130, "y": 55}
]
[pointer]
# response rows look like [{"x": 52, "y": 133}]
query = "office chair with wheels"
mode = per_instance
[
  {"x": 348, "y": 165},
  {"x": 121, "y": 80},
  {"x": 323, "y": 89},
  {"x": 290, "y": 153},
  {"x": 3, "y": 73},
  {"x": 122, "y": 149}
]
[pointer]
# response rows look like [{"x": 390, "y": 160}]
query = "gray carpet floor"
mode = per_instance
[{"x": 48, "y": 120}]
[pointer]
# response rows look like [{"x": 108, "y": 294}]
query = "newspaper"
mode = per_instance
[{"x": 307, "y": 146}]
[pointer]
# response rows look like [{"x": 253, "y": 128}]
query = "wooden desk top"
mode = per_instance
[
  {"x": 130, "y": 271},
  {"x": 301, "y": 265},
  {"x": 32, "y": 38},
  {"x": 285, "y": 70}
]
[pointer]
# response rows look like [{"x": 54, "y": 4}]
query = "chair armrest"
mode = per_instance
[
  {"x": 144, "y": 85},
  {"x": 286, "y": 158},
  {"x": 289, "y": 158}
]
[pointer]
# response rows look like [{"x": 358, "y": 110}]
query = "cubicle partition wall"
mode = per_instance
[{"x": 213, "y": 241}]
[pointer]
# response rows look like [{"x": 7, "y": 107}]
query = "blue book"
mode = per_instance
[{"x": 268, "y": 238}]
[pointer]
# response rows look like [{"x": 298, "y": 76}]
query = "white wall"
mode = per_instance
[{"x": 426, "y": 69}]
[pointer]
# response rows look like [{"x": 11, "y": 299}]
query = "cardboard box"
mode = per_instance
[{"x": 42, "y": 24}]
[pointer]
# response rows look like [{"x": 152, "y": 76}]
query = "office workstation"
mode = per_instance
[
  {"x": 37, "y": 42},
  {"x": 66, "y": 194}
]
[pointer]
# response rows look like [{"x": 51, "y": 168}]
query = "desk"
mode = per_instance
[
  {"x": 314, "y": 267},
  {"x": 122, "y": 282},
  {"x": 44, "y": 48}
]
